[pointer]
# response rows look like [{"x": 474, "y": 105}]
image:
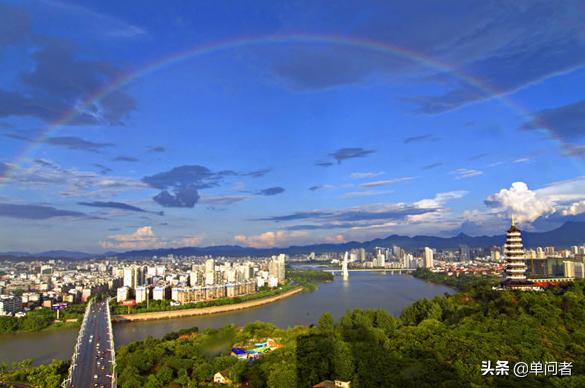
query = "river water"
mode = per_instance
[{"x": 362, "y": 290}]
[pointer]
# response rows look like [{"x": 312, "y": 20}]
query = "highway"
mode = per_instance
[{"x": 94, "y": 362}]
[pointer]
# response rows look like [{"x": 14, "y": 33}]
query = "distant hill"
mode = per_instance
[
  {"x": 570, "y": 233},
  {"x": 49, "y": 254}
]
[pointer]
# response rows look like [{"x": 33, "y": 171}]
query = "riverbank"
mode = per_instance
[
  {"x": 204, "y": 310},
  {"x": 463, "y": 282}
]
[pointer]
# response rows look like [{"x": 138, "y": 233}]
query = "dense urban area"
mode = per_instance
[
  {"x": 31, "y": 286},
  {"x": 363, "y": 348}
]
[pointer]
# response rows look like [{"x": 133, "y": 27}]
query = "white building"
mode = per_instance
[
  {"x": 122, "y": 294},
  {"x": 569, "y": 269},
  {"x": 277, "y": 267},
  {"x": 141, "y": 294},
  {"x": 133, "y": 276},
  {"x": 160, "y": 293},
  {"x": 428, "y": 258}
]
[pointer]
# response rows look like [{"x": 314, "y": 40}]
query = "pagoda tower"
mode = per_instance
[{"x": 514, "y": 253}]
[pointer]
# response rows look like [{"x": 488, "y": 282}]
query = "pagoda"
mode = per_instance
[{"x": 515, "y": 272}]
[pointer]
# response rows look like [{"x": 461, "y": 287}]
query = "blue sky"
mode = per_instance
[{"x": 305, "y": 131}]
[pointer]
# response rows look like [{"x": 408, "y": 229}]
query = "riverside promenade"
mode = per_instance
[{"x": 204, "y": 310}]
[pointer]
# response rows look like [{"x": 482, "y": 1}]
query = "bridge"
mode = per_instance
[
  {"x": 391, "y": 270},
  {"x": 93, "y": 363}
]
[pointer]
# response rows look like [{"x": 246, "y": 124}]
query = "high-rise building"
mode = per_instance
[
  {"x": 464, "y": 252},
  {"x": 514, "y": 251},
  {"x": 133, "y": 276},
  {"x": 428, "y": 258},
  {"x": 276, "y": 267},
  {"x": 209, "y": 265},
  {"x": 569, "y": 269}
]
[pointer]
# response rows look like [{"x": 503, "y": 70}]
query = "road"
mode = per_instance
[{"x": 93, "y": 366}]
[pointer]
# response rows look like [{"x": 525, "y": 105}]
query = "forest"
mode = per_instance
[{"x": 440, "y": 342}]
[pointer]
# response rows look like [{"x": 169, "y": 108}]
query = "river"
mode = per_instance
[{"x": 362, "y": 290}]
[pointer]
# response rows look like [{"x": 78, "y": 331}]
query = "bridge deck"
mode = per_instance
[
  {"x": 400, "y": 270},
  {"x": 94, "y": 357}
]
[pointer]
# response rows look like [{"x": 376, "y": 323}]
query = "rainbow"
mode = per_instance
[{"x": 182, "y": 55}]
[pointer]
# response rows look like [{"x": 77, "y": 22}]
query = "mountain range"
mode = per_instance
[{"x": 570, "y": 233}]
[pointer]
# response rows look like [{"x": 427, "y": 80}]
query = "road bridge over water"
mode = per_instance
[
  {"x": 389, "y": 270},
  {"x": 93, "y": 363}
]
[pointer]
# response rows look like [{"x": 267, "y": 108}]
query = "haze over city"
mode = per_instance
[{"x": 282, "y": 124}]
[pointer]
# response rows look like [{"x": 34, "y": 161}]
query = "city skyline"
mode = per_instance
[{"x": 270, "y": 125}]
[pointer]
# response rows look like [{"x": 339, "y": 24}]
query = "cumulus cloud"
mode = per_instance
[
  {"x": 521, "y": 202},
  {"x": 336, "y": 239},
  {"x": 142, "y": 237},
  {"x": 270, "y": 239},
  {"x": 574, "y": 209},
  {"x": 145, "y": 237}
]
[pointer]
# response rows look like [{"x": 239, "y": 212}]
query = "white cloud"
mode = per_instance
[
  {"x": 519, "y": 201},
  {"x": 386, "y": 182},
  {"x": 439, "y": 200},
  {"x": 144, "y": 237},
  {"x": 271, "y": 239},
  {"x": 366, "y": 193},
  {"x": 523, "y": 160},
  {"x": 574, "y": 209},
  {"x": 462, "y": 173},
  {"x": 71, "y": 182},
  {"x": 362, "y": 175},
  {"x": 99, "y": 22},
  {"x": 336, "y": 239}
]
